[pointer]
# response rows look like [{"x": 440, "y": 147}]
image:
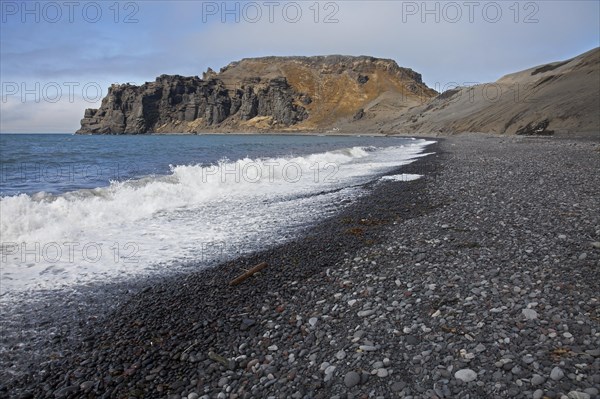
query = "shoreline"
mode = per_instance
[
  {"x": 558, "y": 135},
  {"x": 477, "y": 266},
  {"x": 94, "y": 303}
]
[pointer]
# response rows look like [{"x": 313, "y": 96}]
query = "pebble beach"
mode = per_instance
[{"x": 479, "y": 280}]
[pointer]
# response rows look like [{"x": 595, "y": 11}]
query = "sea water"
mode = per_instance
[{"x": 78, "y": 210}]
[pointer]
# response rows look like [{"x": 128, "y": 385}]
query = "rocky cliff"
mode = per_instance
[
  {"x": 261, "y": 94},
  {"x": 184, "y": 104},
  {"x": 353, "y": 95}
]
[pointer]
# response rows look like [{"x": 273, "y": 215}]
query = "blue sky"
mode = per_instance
[{"x": 49, "y": 50}]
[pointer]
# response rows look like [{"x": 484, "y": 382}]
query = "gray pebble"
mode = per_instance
[
  {"x": 398, "y": 386},
  {"x": 466, "y": 375},
  {"x": 66, "y": 391},
  {"x": 340, "y": 355},
  {"x": 528, "y": 359},
  {"x": 351, "y": 379},
  {"x": 366, "y": 313},
  {"x": 557, "y": 373},
  {"x": 530, "y": 314},
  {"x": 537, "y": 379},
  {"x": 84, "y": 386},
  {"x": 382, "y": 373},
  {"x": 367, "y": 348}
]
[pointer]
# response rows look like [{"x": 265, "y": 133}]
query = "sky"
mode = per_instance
[{"x": 58, "y": 58}]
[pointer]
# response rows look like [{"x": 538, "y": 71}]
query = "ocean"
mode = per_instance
[{"x": 82, "y": 210}]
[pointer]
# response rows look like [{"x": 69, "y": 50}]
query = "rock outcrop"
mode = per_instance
[
  {"x": 271, "y": 93},
  {"x": 181, "y": 104}
]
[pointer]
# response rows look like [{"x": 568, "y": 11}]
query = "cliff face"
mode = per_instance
[
  {"x": 182, "y": 104},
  {"x": 259, "y": 94}
]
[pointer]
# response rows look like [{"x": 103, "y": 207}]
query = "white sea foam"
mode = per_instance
[
  {"x": 195, "y": 215},
  {"x": 401, "y": 177}
]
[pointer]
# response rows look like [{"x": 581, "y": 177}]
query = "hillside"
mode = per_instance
[
  {"x": 556, "y": 97},
  {"x": 262, "y": 94}
]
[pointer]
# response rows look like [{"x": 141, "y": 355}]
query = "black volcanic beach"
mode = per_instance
[{"x": 480, "y": 280}]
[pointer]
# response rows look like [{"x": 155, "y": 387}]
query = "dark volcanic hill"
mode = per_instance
[
  {"x": 557, "y": 97},
  {"x": 262, "y": 94}
]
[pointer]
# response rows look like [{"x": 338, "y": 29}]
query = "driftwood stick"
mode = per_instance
[{"x": 247, "y": 274}]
